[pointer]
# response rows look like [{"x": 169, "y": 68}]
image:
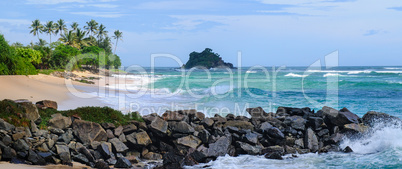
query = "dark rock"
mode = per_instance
[
  {"x": 204, "y": 135},
  {"x": 296, "y": 122},
  {"x": 173, "y": 116},
  {"x": 118, "y": 131},
  {"x": 339, "y": 118},
  {"x": 67, "y": 136},
  {"x": 181, "y": 127},
  {"x": 21, "y": 145},
  {"x": 111, "y": 161},
  {"x": 172, "y": 160},
  {"x": 101, "y": 165},
  {"x": 240, "y": 125},
  {"x": 372, "y": 117},
  {"x": 207, "y": 122},
  {"x": 8, "y": 153},
  {"x": 128, "y": 129},
  {"x": 57, "y": 131},
  {"x": 258, "y": 114},
  {"x": 251, "y": 138},
  {"x": 109, "y": 134},
  {"x": 118, "y": 146},
  {"x": 80, "y": 158},
  {"x": 62, "y": 149},
  {"x": 87, "y": 154},
  {"x": 189, "y": 141},
  {"x": 104, "y": 149},
  {"x": 60, "y": 121},
  {"x": 35, "y": 158},
  {"x": 18, "y": 135},
  {"x": 264, "y": 127},
  {"x": 275, "y": 133},
  {"x": 6, "y": 140},
  {"x": 30, "y": 110},
  {"x": 65, "y": 158},
  {"x": 122, "y": 138},
  {"x": 315, "y": 122},
  {"x": 122, "y": 163},
  {"x": 274, "y": 155},
  {"x": 153, "y": 156},
  {"x": 336, "y": 138},
  {"x": 347, "y": 149},
  {"x": 143, "y": 139},
  {"x": 199, "y": 116},
  {"x": 355, "y": 128},
  {"x": 310, "y": 140},
  {"x": 47, "y": 156},
  {"x": 249, "y": 149},
  {"x": 110, "y": 126},
  {"x": 159, "y": 126},
  {"x": 88, "y": 132},
  {"x": 44, "y": 104},
  {"x": 323, "y": 132},
  {"x": 220, "y": 147}
]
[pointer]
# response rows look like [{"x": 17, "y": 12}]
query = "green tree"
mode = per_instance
[
  {"x": 80, "y": 38},
  {"x": 33, "y": 56},
  {"x": 62, "y": 54},
  {"x": 41, "y": 43},
  {"x": 106, "y": 44},
  {"x": 92, "y": 27},
  {"x": 68, "y": 38},
  {"x": 74, "y": 26},
  {"x": 60, "y": 26},
  {"x": 102, "y": 32},
  {"x": 118, "y": 36},
  {"x": 49, "y": 29},
  {"x": 36, "y": 28}
]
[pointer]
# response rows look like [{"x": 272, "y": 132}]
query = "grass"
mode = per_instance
[
  {"x": 85, "y": 81},
  {"x": 49, "y": 71},
  {"x": 117, "y": 71},
  {"x": 12, "y": 113},
  {"x": 93, "y": 114}
]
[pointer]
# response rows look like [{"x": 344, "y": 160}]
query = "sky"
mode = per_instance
[{"x": 266, "y": 32}]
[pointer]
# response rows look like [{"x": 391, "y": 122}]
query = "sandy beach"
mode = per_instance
[{"x": 46, "y": 87}]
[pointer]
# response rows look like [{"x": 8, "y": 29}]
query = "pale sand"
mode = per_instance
[
  {"x": 44, "y": 87},
  {"x": 7, "y": 165}
]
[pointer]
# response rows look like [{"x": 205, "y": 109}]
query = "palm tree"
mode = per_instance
[
  {"x": 36, "y": 28},
  {"x": 101, "y": 33},
  {"x": 68, "y": 38},
  {"x": 41, "y": 43},
  {"x": 60, "y": 26},
  {"x": 80, "y": 38},
  {"x": 74, "y": 26},
  {"x": 106, "y": 44},
  {"x": 49, "y": 28},
  {"x": 92, "y": 26},
  {"x": 117, "y": 35}
]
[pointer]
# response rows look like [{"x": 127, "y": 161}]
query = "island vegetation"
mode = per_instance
[
  {"x": 89, "y": 45},
  {"x": 206, "y": 59}
]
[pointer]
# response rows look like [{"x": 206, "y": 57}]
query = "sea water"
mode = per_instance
[{"x": 223, "y": 91}]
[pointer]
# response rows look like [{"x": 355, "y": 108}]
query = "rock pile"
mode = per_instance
[{"x": 179, "y": 138}]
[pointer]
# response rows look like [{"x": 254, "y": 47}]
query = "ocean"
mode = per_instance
[{"x": 221, "y": 91}]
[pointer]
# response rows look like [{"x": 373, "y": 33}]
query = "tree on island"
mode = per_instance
[
  {"x": 36, "y": 28},
  {"x": 206, "y": 59}
]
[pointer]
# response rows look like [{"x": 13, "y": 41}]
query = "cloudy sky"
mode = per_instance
[{"x": 267, "y": 32}]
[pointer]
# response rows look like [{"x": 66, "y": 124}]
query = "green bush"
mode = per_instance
[{"x": 12, "y": 113}]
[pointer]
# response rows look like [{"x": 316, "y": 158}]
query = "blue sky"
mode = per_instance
[{"x": 267, "y": 32}]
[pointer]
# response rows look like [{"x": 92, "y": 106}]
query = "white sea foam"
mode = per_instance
[
  {"x": 384, "y": 135},
  {"x": 342, "y": 71},
  {"x": 393, "y": 68},
  {"x": 390, "y": 72},
  {"x": 295, "y": 75},
  {"x": 331, "y": 74},
  {"x": 251, "y": 71}
]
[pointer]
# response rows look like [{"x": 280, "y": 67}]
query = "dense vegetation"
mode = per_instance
[
  {"x": 206, "y": 59},
  {"x": 90, "y": 46},
  {"x": 13, "y": 113}
]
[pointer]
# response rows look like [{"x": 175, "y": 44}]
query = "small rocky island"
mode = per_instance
[
  {"x": 206, "y": 60},
  {"x": 39, "y": 134}
]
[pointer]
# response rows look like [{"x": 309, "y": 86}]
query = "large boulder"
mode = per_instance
[
  {"x": 371, "y": 117},
  {"x": 173, "y": 116},
  {"x": 258, "y": 114},
  {"x": 122, "y": 163},
  {"x": 88, "y": 132},
  {"x": 220, "y": 147},
  {"x": 118, "y": 146},
  {"x": 60, "y": 121},
  {"x": 6, "y": 126},
  {"x": 44, "y": 104},
  {"x": 35, "y": 158},
  {"x": 159, "y": 126},
  {"x": 240, "y": 125},
  {"x": 181, "y": 127},
  {"x": 189, "y": 141},
  {"x": 296, "y": 122},
  {"x": 30, "y": 110},
  {"x": 141, "y": 138},
  {"x": 310, "y": 140},
  {"x": 249, "y": 149},
  {"x": 355, "y": 128},
  {"x": 339, "y": 118}
]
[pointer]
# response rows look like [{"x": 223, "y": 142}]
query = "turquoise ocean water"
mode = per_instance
[{"x": 360, "y": 89}]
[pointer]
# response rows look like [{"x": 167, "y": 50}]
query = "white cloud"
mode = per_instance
[
  {"x": 103, "y": 5},
  {"x": 100, "y": 14},
  {"x": 52, "y": 2},
  {"x": 291, "y": 2},
  {"x": 16, "y": 22}
]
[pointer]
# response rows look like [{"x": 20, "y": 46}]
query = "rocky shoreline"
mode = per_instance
[{"x": 179, "y": 138}]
